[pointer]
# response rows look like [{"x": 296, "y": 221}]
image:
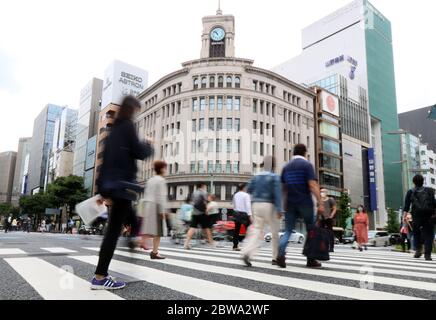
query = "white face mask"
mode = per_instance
[
  {"x": 323, "y": 194},
  {"x": 360, "y": 210}
]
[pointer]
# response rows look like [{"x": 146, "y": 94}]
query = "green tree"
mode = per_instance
[
  {"x": 5, "y": 209},
  {"x": 393, "y": 223},
  {"x": 67, "y": 192},
  {"x": 36, "y": 204},
  {"x": 344, "y": 211}
]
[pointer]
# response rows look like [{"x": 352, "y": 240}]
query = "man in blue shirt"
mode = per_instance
[{"x": 299, "y": 183}]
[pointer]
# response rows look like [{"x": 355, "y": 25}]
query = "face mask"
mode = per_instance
[
  {"x": 323, "y": 194},
  {"x": 360, "y": 210}
]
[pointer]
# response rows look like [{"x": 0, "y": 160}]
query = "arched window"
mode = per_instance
[
  {"x": 203, "y": 82},
  {"x": 196, "y": 83},
  {"x": 220, "y": 81},
  {"x": 176, "y": 168},
  {"x": 212, "y": 82},
  {"x": 237, "y": 82},
  {"x": 229, "y": 82}
]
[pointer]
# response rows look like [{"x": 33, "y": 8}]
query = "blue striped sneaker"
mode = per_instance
[{"x": 108, "y": 283}]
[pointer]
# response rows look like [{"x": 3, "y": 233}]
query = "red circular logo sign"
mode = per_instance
[{"x": 331, "y": 105}]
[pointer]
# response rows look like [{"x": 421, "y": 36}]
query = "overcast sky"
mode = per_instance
[{"x": 50, "y": 49}]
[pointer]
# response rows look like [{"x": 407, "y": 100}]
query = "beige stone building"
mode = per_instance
[
  {"x": 7, "y": 170},
  {"x": 216, "y": 118}
]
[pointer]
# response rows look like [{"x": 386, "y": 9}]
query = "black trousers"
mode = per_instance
[
  {"x": 328, "y": 224},
  {"x": 121, "y": 212},
  {"x": 241, "y": 218},
  {"x": 423, "y": 233}
]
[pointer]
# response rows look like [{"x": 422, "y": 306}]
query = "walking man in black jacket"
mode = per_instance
[{"x": 116, "y": 182}]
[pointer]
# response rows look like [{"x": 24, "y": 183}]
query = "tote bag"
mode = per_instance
[{"x": 91, "y": 209}]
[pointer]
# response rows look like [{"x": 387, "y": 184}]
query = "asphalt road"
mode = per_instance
[{"x": 59, "y": 266}]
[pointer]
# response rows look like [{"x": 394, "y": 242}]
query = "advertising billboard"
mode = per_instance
[
  {"x": 120, "y": 80},
  {"x": 372, "y": 180},
  {"x": 330, "y": 103}
]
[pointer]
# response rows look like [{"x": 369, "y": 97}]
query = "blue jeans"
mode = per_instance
[{"x": 292, "y": 214}]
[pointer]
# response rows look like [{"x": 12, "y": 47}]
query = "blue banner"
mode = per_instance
[{"x": 372, "y": 180}]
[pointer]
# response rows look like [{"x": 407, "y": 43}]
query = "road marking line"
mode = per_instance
[
  {"x": 303, "y": 262},
  {"x": 317, "y": 286},
  {"x": 11, "y": 251},
  {"x": 299, "y": 256},
  {"x": 196, "y": 287},
  {"x": 54, "y": 283},
  {"x": 59, "y": 250},
  {"x": 420, "y": 285}
]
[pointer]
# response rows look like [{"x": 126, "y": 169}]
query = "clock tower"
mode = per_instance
[{"x": 218, "y": 39}]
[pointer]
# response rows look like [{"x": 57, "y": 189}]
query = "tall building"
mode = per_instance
[
  {"x": 417, "y": 158},
  {"x": 41, "y": 144},
  {"x": 328, "y": 143},
  {"x": 20, "y": 179},
  {"x": 419, "y": 123},
  {"x": 351, "y": 50},
  {"x": 87, "y": 127},
  {"x": 60, "y": 163},
  {"x": 120, "y": 79},
  {"x": 215, "y": 119},
  {"x": 7, "y": 169}
]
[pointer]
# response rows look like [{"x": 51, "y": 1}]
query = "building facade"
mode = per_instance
[
  {"x": 7, "y": 170},
  {"x": 20, "y": 178},
  {"x": 419, "y": 123},
  {"x": 60, "y": 163},
  {"x": 41, "y": 145},
  {"x": 87, "y": 128},
  {"x": 121, "y": 79},
  {"x": 351, "y": 50},
  {"x": 417, "y": 158},
  {"x": 215, "y": 119},
  {"x": 328, "y": 143}
]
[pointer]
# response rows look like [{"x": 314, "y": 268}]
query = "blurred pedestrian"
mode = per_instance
[
  {"x": 186, "y": 210},
  {"x": 299, "y": 184},
  {"x": 116, "y": 182},
  {"x": 155, "y": 209},
  {"x": 14, "y": 225},
  {"x": 361, "y": 227},
  {"x": 405, "y": 231},
  {"x": 243, "y": 213},
  {"x": 8, "y": 223},
  {"x": 213, "y": 209},
  {"x": 199, "y": 215},
  {"x": 327, "y": 218},
  {"x": 266, "y": 194},
  {"x": 421, "y": 203}
]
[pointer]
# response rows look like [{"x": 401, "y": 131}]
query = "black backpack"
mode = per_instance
[{"x": 422, "y": 200}]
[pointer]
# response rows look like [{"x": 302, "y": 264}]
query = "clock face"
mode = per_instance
[{"x": 217, "y": 34}]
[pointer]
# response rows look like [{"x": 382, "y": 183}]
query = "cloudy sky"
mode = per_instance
[{"x": 50, "y": 49}]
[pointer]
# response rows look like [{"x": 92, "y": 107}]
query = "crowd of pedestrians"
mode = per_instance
[{"x": 263, "y": 202}]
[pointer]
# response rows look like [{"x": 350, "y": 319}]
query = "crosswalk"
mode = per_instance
[{"x": 60, "y": 273}]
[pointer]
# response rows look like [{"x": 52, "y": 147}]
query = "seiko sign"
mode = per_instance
[{"x": 122, "y": 79}]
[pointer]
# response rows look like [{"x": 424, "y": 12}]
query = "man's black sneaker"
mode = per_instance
[
  {"x": 246, "y": 260},
  {"x": 313, "y": 264},
  {"x": 428, "y": 258},
  {"x": 417, "y": 255},
  {"x": 281, "y": 262},
  {"x": 274, "y": 262}
]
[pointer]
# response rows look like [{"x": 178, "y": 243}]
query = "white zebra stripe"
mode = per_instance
[
  {"x": 321, "y": 287},
  {"x": 192, "y": 286}
]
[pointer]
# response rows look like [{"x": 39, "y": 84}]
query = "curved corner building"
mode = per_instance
[{"x": 216, "y": 118}]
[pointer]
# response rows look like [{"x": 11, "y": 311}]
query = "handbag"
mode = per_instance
[
  {"x": 317, "y": 244},
  {"x": 91, "y": 209}
]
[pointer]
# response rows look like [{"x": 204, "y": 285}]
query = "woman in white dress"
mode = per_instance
[{"x": 152, "y": 208}]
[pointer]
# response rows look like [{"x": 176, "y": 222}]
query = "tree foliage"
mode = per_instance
[
  {"x": 344, "y": 210},
  {"x": 7, "y": 209},
  {"x": 67, "y": 191},
  {"x": 36, "y": 204},
  {"x": 393, "y": 223}
]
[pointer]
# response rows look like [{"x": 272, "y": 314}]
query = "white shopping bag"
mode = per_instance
[{"x": 91, "y": 209}]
